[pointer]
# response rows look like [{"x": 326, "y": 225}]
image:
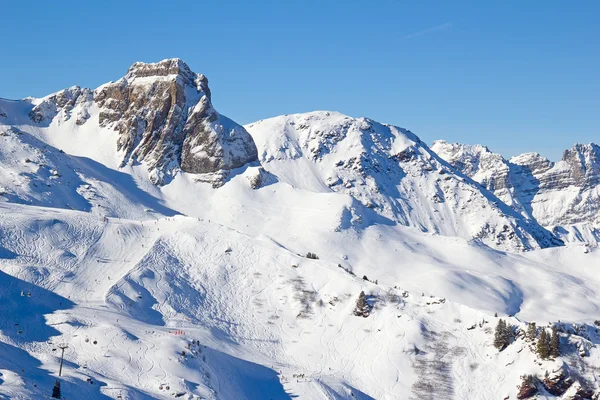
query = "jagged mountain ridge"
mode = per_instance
[
  {"x": 390, "y": 170},
  {"x": 562, "y": 196},
  {"x": 160, "y": 116}
]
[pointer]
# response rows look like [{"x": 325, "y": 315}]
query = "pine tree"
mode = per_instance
[
  {"x": 543, "y": 347},
  {"x": 554, "y": 343},
  {"x": 500, "y": 335},
  {"x": 56, "y": 390},
  {"x": 362, "y": 307},
  {"x": 532, "y": 331},
  {"x": 509, "y": 334}
]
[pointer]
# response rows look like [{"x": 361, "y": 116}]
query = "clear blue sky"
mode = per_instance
[{"x": 515, "y": 75}]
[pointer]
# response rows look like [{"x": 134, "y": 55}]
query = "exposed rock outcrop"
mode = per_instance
[
  {"x": 558, "y": 382},
  {"x": 578, "y": 392},
  {"x": 563, "y": 194},
  {"x": 165, "y": 117},
  {"x": 528, "y": 387}
]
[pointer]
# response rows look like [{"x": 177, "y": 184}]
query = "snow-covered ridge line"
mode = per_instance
[
  {"x": 390, "y": 170},
  {"x": 164, "y": 119},
  {"x": 562, "y": 196}
]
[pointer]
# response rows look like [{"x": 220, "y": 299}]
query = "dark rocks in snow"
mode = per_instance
[
  {"x": 259, "y": 177},
  {"x": 528, "y": 387},
  {"x": 580, "y": 392},
  {"x": 558, "y": 382}
]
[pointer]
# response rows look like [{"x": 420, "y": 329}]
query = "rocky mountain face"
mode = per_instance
[
  {"x": 563, "y": 196},
  {"x": 164, "y": 116},
  {"x": 390, "y": 170}
]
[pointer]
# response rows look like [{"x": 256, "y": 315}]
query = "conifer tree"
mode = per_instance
[
  {"x": 554, "y": 343},
  {"x": 500, "y": 335},
  {"x": 362, "y": 307},
  {"x": 509, "y": 334},
  {"x": 532, "y": 331},
  {"x": 543, "y": 347},
  {"x": 56, "y": 390}
]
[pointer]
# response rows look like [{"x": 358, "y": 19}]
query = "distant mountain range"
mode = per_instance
[{"x": 162, "y": 117}]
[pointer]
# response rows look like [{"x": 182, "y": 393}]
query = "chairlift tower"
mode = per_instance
[{"x": 62, "y": 346}]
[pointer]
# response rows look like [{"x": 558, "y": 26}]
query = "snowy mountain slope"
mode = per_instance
[
  {"x": 168, "y": 248},
  {"x": 34, "y": 172},
  {"x": 390, "y": 170},
  {"x": 562, "y": 196},
  {"x": 129, "y": 297}
]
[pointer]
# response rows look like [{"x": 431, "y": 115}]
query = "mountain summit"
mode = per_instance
[
  {"x": 164, "y": 117},
  {"x": 391, "y": 171}
]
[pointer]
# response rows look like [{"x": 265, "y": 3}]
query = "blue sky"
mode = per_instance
[{"x": 514, "y": 75}]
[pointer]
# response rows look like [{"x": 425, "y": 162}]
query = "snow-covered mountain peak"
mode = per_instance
[
  {"x": 172, "y": 69},
  {"x": 169, "y": 66},
  {"x": 164, "y": 115},
  {"x": 164, "y": 118},
  {"x": 63, "y": 101},
  {"x": 534, "y": 162},
  {"x": 460, "y": 148},
  {"x": 562, "y": 196},
  {"x": 390, "y": 170},
  {"x": 476, "y": 161}
]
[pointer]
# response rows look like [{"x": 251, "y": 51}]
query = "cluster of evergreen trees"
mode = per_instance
[
  {"x": 504, "y": 335},
  {"x": 547, "y": 345}
]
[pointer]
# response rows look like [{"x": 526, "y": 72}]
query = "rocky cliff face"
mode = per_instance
[
  {"x": 479, "y": 163},
  {"x": 165, "y": 119},
  {"x": 564, "y": 196}
]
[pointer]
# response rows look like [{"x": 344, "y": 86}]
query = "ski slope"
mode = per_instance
[{"x": 144, "y": 291}]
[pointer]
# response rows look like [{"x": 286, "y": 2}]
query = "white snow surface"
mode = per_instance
[{"x": 194, "y": 292}]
